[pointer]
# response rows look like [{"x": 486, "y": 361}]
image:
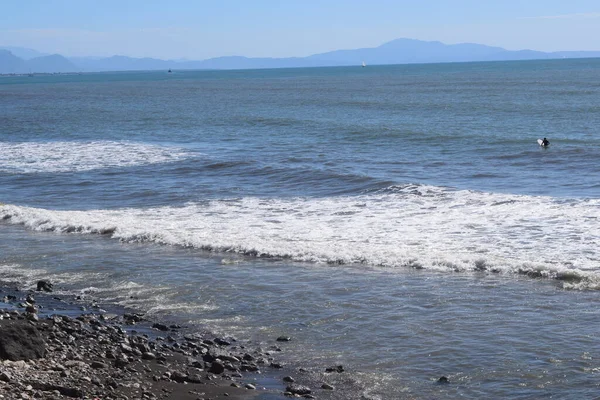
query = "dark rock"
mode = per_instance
[
  {"x": 337, "y": 368},
  {"x": 133, "y": 318},
  {"x": 284, "y": 339},
  {"x": 148, "y": 356},
  {"x": 20, "y": 340},
  {"x": 443, "y": 379},
  {"x": 33, "y": 317},
  {"x": 289, "y": 379},
  {"x": 121, "y": 362},
  {"x": 221, "y": 354},
  {"x": 98, "y": 365},
  {"x": 63, "y": 390},
  {"x": 5, "y": 377},
  {"x": 194, "y": 378},
  {"x": 196, "y": 364},
  {"x": 178, "y": 376},
  {"x": 327, "y": 386},
  {"x": 112, "y": 383},
  {"x": 44, "y": 286},
  {"x": 75, "y": 364},
  {"x": 298, "y": 389},
  {"x": 126, "y": 348},
  {"x": 216, "y": 367},
  {"x": 249, "y": 367},
  {"x": 160, "y": 327},
  {"x": 143, "y": 347},
  {"x": 193, "y": 337},
  {"x": 222, "y": 342}
]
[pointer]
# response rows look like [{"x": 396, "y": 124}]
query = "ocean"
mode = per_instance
[{"x": 401, "y": 221}]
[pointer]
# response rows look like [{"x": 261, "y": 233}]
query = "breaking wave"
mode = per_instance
[{"x": 423, "y": 227}]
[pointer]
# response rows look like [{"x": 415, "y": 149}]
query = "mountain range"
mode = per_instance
[{"x": 16, "y": 60}]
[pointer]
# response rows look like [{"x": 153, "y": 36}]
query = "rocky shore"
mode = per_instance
[{"x": 54, "y": 348}]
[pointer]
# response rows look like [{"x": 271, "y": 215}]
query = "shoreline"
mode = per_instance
[{"x": 75, "y": 348}]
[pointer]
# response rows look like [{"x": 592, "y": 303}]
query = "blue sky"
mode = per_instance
[{"x": 199, "y": 29}]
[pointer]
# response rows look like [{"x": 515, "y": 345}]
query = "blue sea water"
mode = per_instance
[{"x": 401, "y": 220}]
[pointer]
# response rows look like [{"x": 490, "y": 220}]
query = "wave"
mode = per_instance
[
  {"x": 416, "y": 226},
  {"x": 37, "y": 157}
]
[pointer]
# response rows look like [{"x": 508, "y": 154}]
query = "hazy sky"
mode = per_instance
[{"x": 200, "y": 29}]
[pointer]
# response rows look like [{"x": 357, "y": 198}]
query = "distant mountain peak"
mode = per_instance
[
  {"x": 23, "y": 53},
  {"x": 397, "y": 51}
]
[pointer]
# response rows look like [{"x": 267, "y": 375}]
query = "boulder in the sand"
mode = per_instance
[
  {"x": 216, "y": 367},
  {"x": 20, "y": 340}
]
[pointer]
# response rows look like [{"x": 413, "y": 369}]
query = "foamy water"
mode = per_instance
[
  {"x": 53, "y": 157},
  {"x": 415, "y": 226}
]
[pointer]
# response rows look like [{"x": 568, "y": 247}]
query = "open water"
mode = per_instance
[{"x": 399, "y": 220}]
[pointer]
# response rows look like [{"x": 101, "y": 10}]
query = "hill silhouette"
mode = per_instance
[{"x": 399, "y": 51}]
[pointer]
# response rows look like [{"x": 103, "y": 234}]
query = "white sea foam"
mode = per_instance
[
  {"x": 420, "y": 226},
  {"x": 35, "y": 157},
  {"x": 24, "y": 277},
  {"x": 27, "y": 277}
]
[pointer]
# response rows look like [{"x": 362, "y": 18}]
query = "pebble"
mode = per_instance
[
  {"x": 98, "y": 365},
  {"x": 148, "y": 356},
  {"x": 298, "y": 389}
]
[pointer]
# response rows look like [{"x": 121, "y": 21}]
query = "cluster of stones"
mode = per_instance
[{"x": 93, "y": 356}]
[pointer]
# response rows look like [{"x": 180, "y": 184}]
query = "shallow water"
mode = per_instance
[{"x": 398, "y": 330}]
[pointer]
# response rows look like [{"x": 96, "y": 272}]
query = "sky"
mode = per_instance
[{"x": 201, "y": 29}]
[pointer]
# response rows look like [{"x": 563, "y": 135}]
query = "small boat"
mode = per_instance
[
  {"x": 364, "y": 64},
  {"x": 170, "y": 70}
]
